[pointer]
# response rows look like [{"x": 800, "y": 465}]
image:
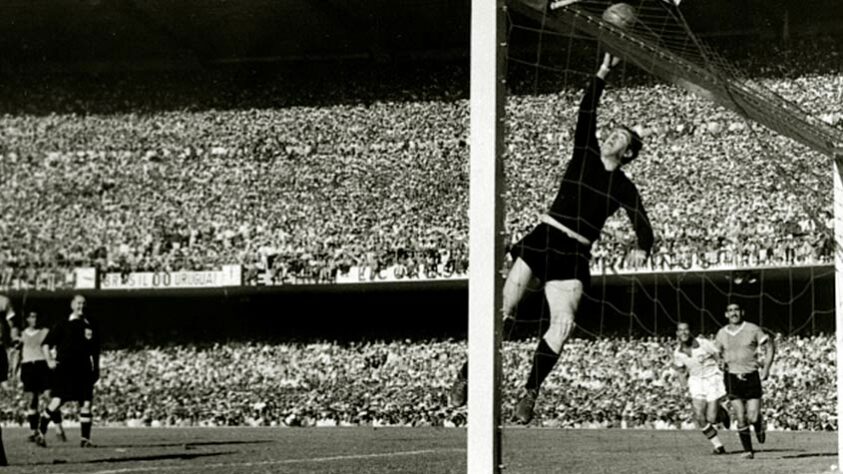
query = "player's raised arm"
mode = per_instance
[{"x": 586, "y": 132}]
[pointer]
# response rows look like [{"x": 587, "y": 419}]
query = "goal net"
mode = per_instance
[
  {"x": 660, "y": 42},
  {"x": 734, "y": 178}
]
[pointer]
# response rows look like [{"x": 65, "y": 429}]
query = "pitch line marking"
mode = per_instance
[{"x": 349, "y": 457}]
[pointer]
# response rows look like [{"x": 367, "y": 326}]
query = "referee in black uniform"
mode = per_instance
[{"x": 76, "y": 369}]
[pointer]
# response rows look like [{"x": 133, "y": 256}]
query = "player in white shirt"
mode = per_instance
[
  {"x": 698, "y": 362},
  {"x": 34, "y": 372}
]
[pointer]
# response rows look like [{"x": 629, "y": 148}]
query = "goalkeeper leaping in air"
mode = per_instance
[{"x": 557, "y": 252}]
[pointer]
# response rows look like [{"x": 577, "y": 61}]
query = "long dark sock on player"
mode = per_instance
[
  {"x": 32, "y": 418},
  {"x": 32, "y": 412},
  {"x": 544, "y": 359},
  {"x": 45, "y": 422},
  {"x": 746, "y": 439},
  {"x": 3, "y": 460},
  {"x": 759, "y": 424},
  {"x": 85, "y": 421},
  {"x": 55, "y": 416}
]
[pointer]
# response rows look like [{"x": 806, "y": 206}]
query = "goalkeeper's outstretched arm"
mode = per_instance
[{"x": 586, "y": 132}]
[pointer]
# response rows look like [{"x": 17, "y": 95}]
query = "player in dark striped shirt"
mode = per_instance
[{"x": 556, "y": 254}]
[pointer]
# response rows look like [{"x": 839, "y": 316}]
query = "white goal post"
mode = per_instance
[{"x": 485, "y": 213}]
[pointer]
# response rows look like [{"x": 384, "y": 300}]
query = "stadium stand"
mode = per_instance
[
  {"x": 300, "y": 181},
  {"x": 600, "y": 383}
]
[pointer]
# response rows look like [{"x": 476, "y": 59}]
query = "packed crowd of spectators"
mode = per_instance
[
  {"x": 302, "y": 182},
  {"x": 598, "y": 383}
]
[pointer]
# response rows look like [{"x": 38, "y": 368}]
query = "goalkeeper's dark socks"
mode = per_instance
[
  {"x": 746, "y": 439},
  {"x": 544, "y": 359},
  {"x": 710, "y": 432},
  {"x": 85, "y": 421}
]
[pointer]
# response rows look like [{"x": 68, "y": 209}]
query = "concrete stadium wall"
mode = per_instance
[{"x": 783, "y": 300}]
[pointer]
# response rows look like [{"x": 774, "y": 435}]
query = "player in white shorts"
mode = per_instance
[{"x": 698, "y": 362}]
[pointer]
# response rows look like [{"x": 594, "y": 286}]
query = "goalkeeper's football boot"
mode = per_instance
[
  {"x": 719, "y": 450},
  {"x": 524, "y": 409},
  {"x": 86, "y": 443}
]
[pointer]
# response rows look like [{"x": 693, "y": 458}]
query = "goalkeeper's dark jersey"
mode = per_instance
[
  {"x": 77, "y": 343},
  {"x": 589, "y": 194}
]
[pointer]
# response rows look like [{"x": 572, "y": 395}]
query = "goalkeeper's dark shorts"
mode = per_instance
[
  {"x": 552, "y": 255},
  {"x": 743, "y": 386}
]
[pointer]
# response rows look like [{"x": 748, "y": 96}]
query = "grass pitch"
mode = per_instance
[{"x": 408, "y": 450}]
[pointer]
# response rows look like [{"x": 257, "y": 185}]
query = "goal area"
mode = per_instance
[{"x": 726, "y": 153}]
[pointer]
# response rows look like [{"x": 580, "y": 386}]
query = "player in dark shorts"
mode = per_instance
[
  {"x": 76, "y": 369},
  {"x": 556, "y": 254},
  {"x": 34, "y": 371},
  {"x": 738, "y": 342}
]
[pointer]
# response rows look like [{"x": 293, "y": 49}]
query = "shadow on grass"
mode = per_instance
[
  {"x": 151, "y": 457},
  {"x": 810, "y": 455},
  {"x": 188, "y": 444},
  {"x": 739, "y": 452}
]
